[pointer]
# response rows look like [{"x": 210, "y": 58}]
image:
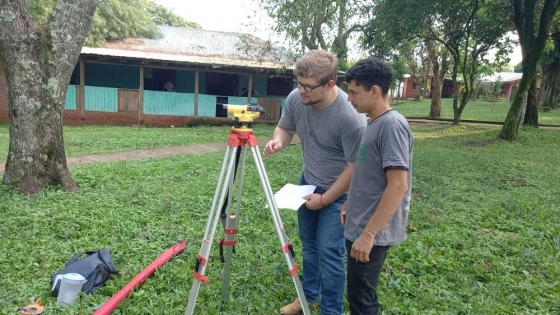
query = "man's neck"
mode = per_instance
[
  {"x": 379, "y": 110},
  {"x": 328, "y": 100}
]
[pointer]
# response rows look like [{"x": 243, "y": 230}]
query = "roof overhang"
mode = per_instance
[{"x": 184, "y": 59}]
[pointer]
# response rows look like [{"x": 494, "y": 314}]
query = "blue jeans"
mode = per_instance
[{"x": 323, "y": 247}]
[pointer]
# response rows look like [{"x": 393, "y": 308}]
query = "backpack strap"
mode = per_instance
[
  {"x": 106, "y": 258},
  {"x": 78, "y": 255}
]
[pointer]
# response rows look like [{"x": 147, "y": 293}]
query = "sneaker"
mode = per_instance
[{"x": 295, "y": 307}]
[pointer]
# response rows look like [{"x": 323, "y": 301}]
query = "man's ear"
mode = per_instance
[{"x": 375, "y": 91}]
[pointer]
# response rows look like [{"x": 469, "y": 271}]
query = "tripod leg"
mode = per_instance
[
  {"x": 231, "y": 228},
  {"x": 213, "y": 220},
  {"x": 285, "y": 244},
  {"x": 223, "y": 214}
]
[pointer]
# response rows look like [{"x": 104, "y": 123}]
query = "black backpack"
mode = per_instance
[{"x": 97, "y": 267}]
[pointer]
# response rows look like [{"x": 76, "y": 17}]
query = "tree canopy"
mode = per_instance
[
  {"x": 468, "y": 30},
  {"x": 118, "y": 19},
  {"x": 311, "y": 24}
]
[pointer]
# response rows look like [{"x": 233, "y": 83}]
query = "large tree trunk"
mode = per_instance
[
  {"x": 435, "y": 106},
  {"x": 36, "y": 157},
  {"x": 426, "y": 77},
  {"x": 531, "y": 113},
  {"x": 532, "y": 48},
  {"x": 456, "y": 112},
  {"x": 516, "y": 114},
  {"x": 550, "y": 86},
  {"x": 438, "y": 75},
  {"x": 39, "y": 61}
]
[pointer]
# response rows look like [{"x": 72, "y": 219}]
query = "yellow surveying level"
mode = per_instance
[{"x": 243, "y": 115}]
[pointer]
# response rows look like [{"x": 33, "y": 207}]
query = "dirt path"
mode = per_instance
[
  {"x": 152, "y": 153},
  {"x": 187, "y": 150}
]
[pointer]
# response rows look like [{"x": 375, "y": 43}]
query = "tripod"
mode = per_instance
[{"x": 241, "y": 137}]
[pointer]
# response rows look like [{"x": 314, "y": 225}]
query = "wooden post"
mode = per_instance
[
  {"x": 82, "y": 95},
  {"x": 250, "y": 88},
  {"x": 141, "y": 96},
  {"x": 196, "y": 85}
]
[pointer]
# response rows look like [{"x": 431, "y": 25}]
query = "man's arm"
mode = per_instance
[
  {"x": 281, "y": 138},
  {"x": 340, "y": 186},
  {"x": 397, "y": 186},
  {"x": 351, "y": 144}
]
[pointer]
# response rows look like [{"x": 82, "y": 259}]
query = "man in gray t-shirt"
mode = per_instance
[
  {"x": 330, "y": 131},
  {"x": 376, "y": 213}
]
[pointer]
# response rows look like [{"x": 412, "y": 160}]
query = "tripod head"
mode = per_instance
[{"x": 243, "y": 115}]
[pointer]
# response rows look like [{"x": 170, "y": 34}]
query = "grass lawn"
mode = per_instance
[
  {"x": 475, "y": 110},
  {"x": 478, "y": 242},
  {"x": 82, "y": 140}
]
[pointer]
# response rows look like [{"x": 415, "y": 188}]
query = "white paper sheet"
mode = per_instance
[{"x": 291, "y": 196}]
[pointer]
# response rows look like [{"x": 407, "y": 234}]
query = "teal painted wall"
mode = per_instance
[
  {"x": 260, "y": 83},
  {"x": 243, "y": 82},
  {"x": 166, "y": 103},
  {"x": 101, "y": 99},
  {"x": 115, "y": 76},
  {"x": 184, "y": 81},
  {"x": 75, "y": 78},
  {"x": 70, "y": 98},
  {"x": 240, "y": 100},
  {"x": 206, "y": 105},
  {"x": 201, "y": 82}
]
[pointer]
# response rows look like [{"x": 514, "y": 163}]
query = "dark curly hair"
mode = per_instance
[{"x": 369, "y": 72}]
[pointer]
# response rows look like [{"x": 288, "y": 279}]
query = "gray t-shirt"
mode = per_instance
[
  {"x": 387, "y": 144},
  {"x": 330, "y": 137}
]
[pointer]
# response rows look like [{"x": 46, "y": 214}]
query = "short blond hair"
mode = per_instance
[{"x": 319, "y": 64}]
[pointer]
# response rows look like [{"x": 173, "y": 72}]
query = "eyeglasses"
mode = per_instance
[{"x": 307, "y": 88}]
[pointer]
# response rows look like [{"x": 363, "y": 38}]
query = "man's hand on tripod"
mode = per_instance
[
  {"x": 314, "y": 202},
  {"x": 273, "y": 147}
]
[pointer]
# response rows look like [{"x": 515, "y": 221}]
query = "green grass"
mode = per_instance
[
  {"x": 482, "y": 245},
  {"x": 83, "y": 140},
  {"x": 475, "y": 110}
]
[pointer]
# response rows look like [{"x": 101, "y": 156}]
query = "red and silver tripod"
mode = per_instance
[{"x": 241, "y": 137}]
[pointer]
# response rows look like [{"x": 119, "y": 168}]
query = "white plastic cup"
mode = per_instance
[{"x": 70, "y": 285}]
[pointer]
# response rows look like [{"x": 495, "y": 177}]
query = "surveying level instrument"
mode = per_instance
[{"x": 241, "y": 137}]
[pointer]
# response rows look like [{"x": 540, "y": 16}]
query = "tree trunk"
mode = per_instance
[
  {"x": 464, "y": 100},
  {"x": 437, "y": 83},
  {"x": 36, "y": 156},
  {"x": 531, "y": 113},
  {"x": 39, "y": 63},
  {"x": 456, "y": 112},
  {"x": 477, "y": 90},
  {"x": 550, "y": 86},
  {"x": 436, "y": 88},
  {"x": 516, "y": 114},
  {"x": 427, "y": 77},
  {"x": 532, "y": 49}
]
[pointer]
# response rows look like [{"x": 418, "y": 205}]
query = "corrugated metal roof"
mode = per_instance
[{"x": 199, "y": 46}]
